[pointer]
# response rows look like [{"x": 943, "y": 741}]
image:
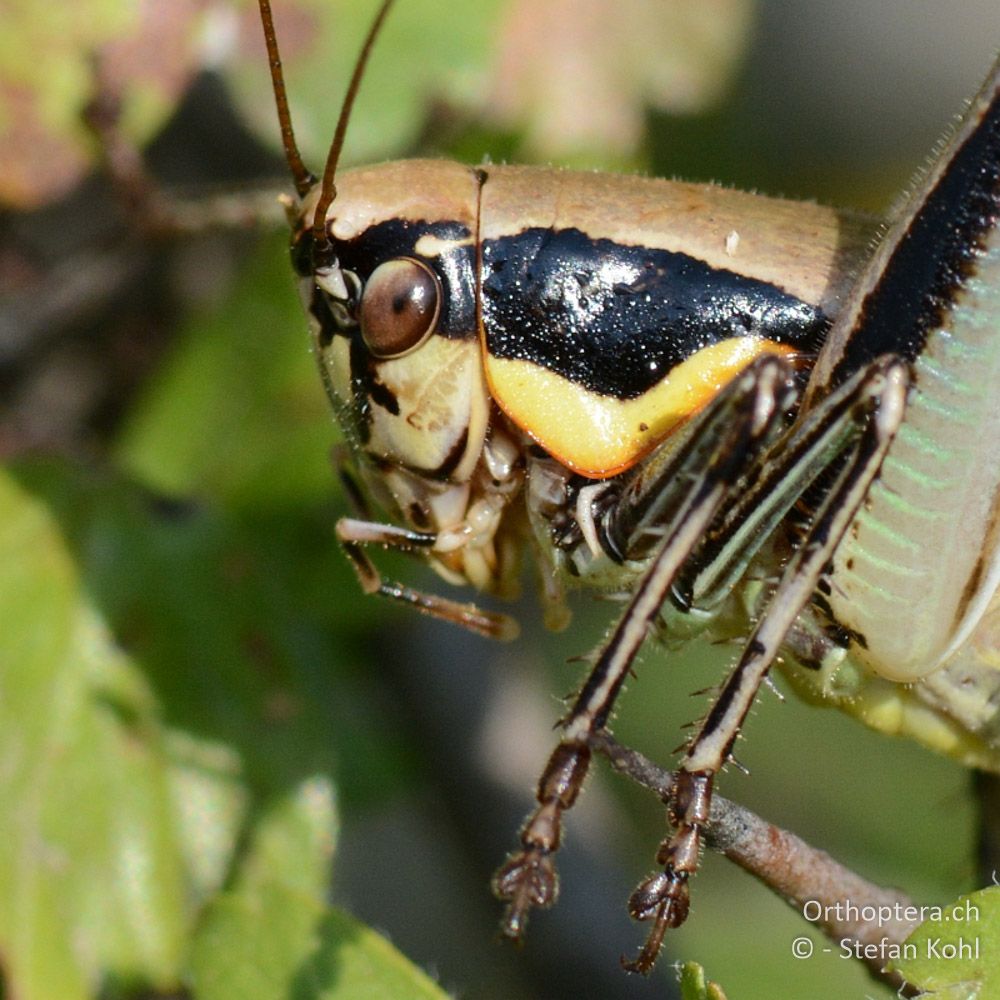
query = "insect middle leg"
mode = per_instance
[
  {"x": 856, "y": 423},
  {"x": 734, "y": 430},
  {"x": 663, "y": 897}
]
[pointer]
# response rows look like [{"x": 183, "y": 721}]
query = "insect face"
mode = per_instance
[{"x": 394, "y": 322}]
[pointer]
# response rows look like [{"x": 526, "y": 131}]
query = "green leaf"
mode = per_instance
[
  {"x": 148, "y": 55},
  {"x": 236, "y": 620},
  {"x": 273, "y": 936},
  {"x": 251, "y": 940},
  {"x": 953, "y": 955},
  {"x": 278, "y": 944},
  {"x": 170, "y": 690},
  {"x": 90, "y": 870},
  {"x": 695, "y": 986},
  {"x": 293, "y": 843},
  {"x": 238, "y": 412}
]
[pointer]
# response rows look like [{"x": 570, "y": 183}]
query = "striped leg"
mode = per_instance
[
  {"x": 737, "y": 426},
  {"x": 353, "y": 534},
  {"x": 663, "y": 897}
]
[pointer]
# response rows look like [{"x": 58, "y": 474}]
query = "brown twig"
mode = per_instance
[
  {"x": 149, "y": 209},
  {"x": 871, "y": 919}
]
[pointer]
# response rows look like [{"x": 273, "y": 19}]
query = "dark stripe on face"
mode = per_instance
[
  {"x": 452, "y": 459},
  {"x": 935, "y": 257},
  {"x": 363, "y": 388},
  {"x": 320, "y": 312},
  {"x": 441, "y": 473},
  {"x": 615, "y": 319},
  {"x": 382, "y": 395},
  {"x": 455, "y": 268}
]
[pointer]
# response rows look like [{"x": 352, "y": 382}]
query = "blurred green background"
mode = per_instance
[{"x": 200, "y": 717}]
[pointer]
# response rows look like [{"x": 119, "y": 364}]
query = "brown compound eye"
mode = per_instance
[{"x": 399, "y": 307}]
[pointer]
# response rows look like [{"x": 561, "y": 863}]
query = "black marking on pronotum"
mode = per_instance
[
  {"x": 455, "y": 268},
  {"x": 614, "y": 318},
  {"x": 935, "y": 257}
]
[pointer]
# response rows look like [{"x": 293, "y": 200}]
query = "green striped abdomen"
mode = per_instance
[{"x": 922, "y": 561}]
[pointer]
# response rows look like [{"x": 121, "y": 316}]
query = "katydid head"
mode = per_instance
[{"x": 387, "y": 269}]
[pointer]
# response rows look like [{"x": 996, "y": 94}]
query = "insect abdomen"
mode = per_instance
[{"x": 919, "y": 567}]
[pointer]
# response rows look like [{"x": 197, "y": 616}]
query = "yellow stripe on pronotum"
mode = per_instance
[{"x": 599, "y": 436}]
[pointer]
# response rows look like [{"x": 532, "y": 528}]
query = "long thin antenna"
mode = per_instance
[
  {"x": 328, "y": 190},
  {"x": 303, "y": 177}
]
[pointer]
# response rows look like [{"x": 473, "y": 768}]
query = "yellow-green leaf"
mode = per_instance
[{"x": 954, "y": 955}]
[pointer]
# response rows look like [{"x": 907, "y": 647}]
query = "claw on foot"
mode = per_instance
[
  {"x": 664, "y": 899},
  {"x": 643, "y": 962},
  {"x": 526, "y": 881}
]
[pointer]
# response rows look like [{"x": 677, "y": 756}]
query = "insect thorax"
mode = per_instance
[{"x": 444, "y": 416}]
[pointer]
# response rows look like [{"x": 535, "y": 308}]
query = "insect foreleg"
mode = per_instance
[
  {"x": 354, "y": 534},
  {"x": 740, "y": 421},
  {"x": 663, "y": 897}
]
